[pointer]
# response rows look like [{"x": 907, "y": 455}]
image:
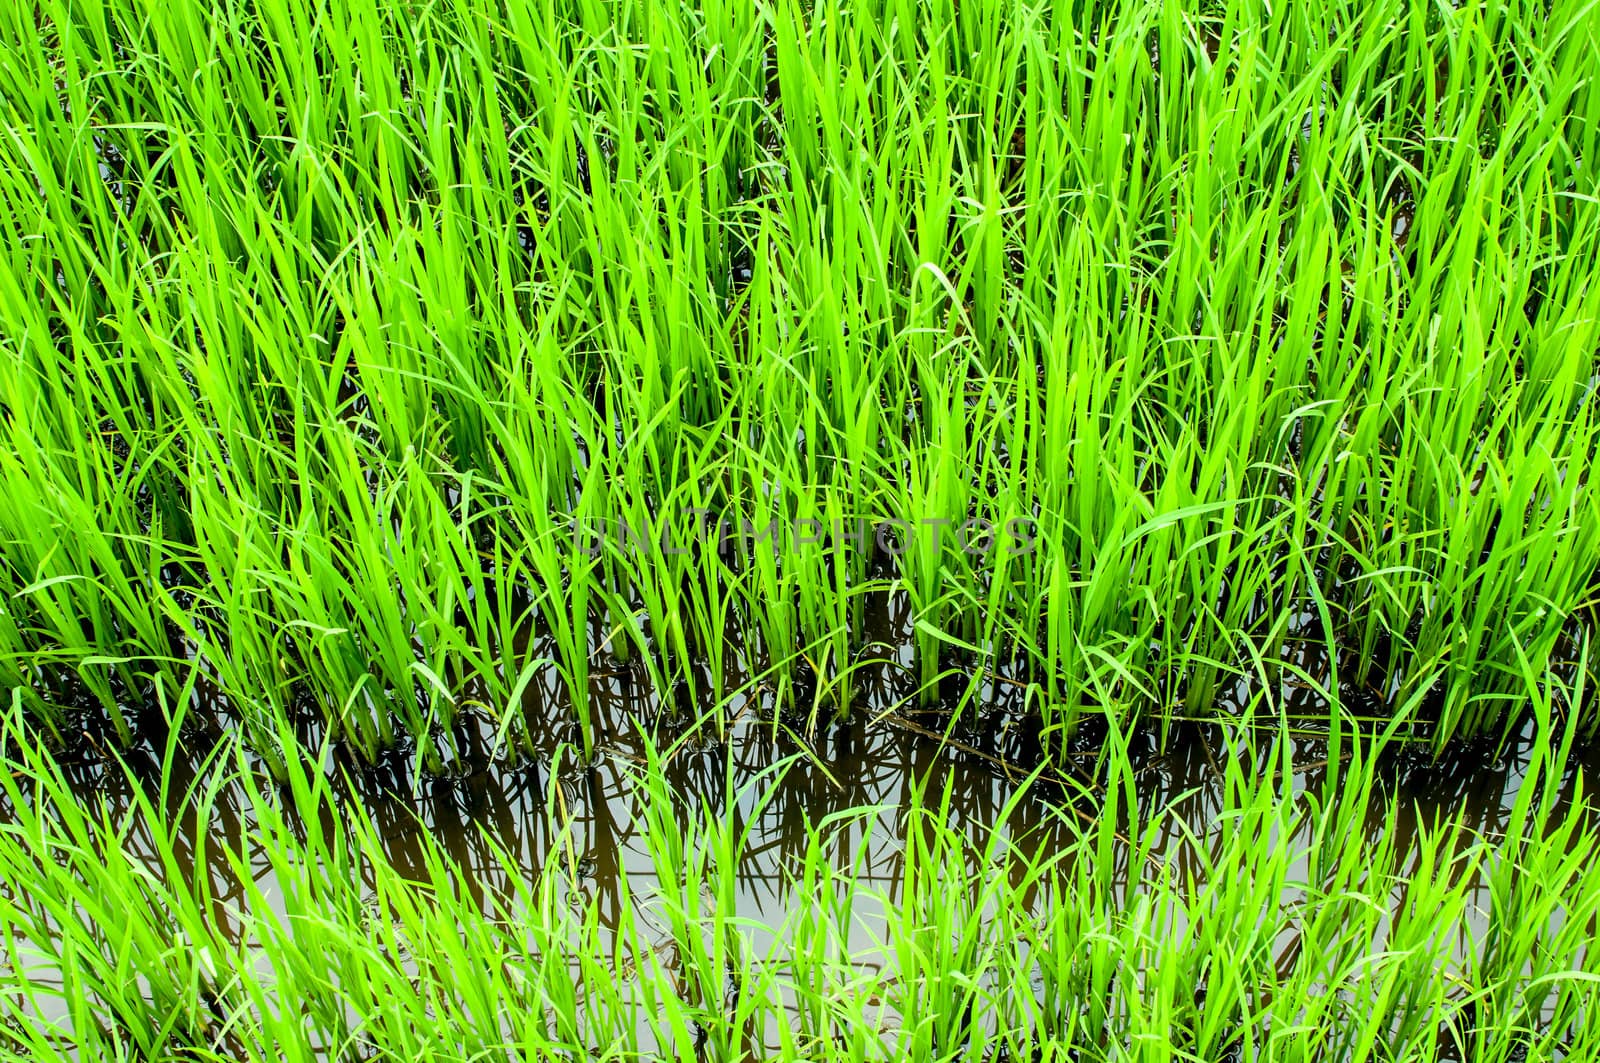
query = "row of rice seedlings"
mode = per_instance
[
  {"x": 1283, "y": 935},
  {"x": 1240, "y": 311}
]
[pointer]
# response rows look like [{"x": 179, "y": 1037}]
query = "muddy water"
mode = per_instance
[
  {"x": 896, "y": 764},
  {"x": 860, "y": 765},
  {"x": 547, "y": 800},
  {"x": 890, "y": 764},
  {"x": 888, "y": 757}
]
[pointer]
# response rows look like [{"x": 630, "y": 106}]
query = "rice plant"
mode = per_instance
[{"x": 1246, "y": 313}]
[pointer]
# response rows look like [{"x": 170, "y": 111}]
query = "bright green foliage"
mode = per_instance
[{"x": 336, "y": 313}]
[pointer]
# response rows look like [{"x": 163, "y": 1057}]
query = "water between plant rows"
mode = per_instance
[{"x": 787, "y": 777}]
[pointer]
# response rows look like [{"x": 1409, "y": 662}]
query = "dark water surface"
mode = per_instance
[{"x": 893, "y": 764}]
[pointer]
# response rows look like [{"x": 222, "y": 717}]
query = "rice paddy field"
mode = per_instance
[{"x": 875, "y": 530}]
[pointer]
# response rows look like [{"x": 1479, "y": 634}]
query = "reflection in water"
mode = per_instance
[
  {"x": 767, "y": 773},
  {"x": 893, "y": 764}
]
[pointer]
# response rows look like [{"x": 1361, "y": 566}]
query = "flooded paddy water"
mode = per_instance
[{"x": 505, "y": 820}]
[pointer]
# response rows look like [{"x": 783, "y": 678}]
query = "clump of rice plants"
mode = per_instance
[{"x": 1260, "y": 326}]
